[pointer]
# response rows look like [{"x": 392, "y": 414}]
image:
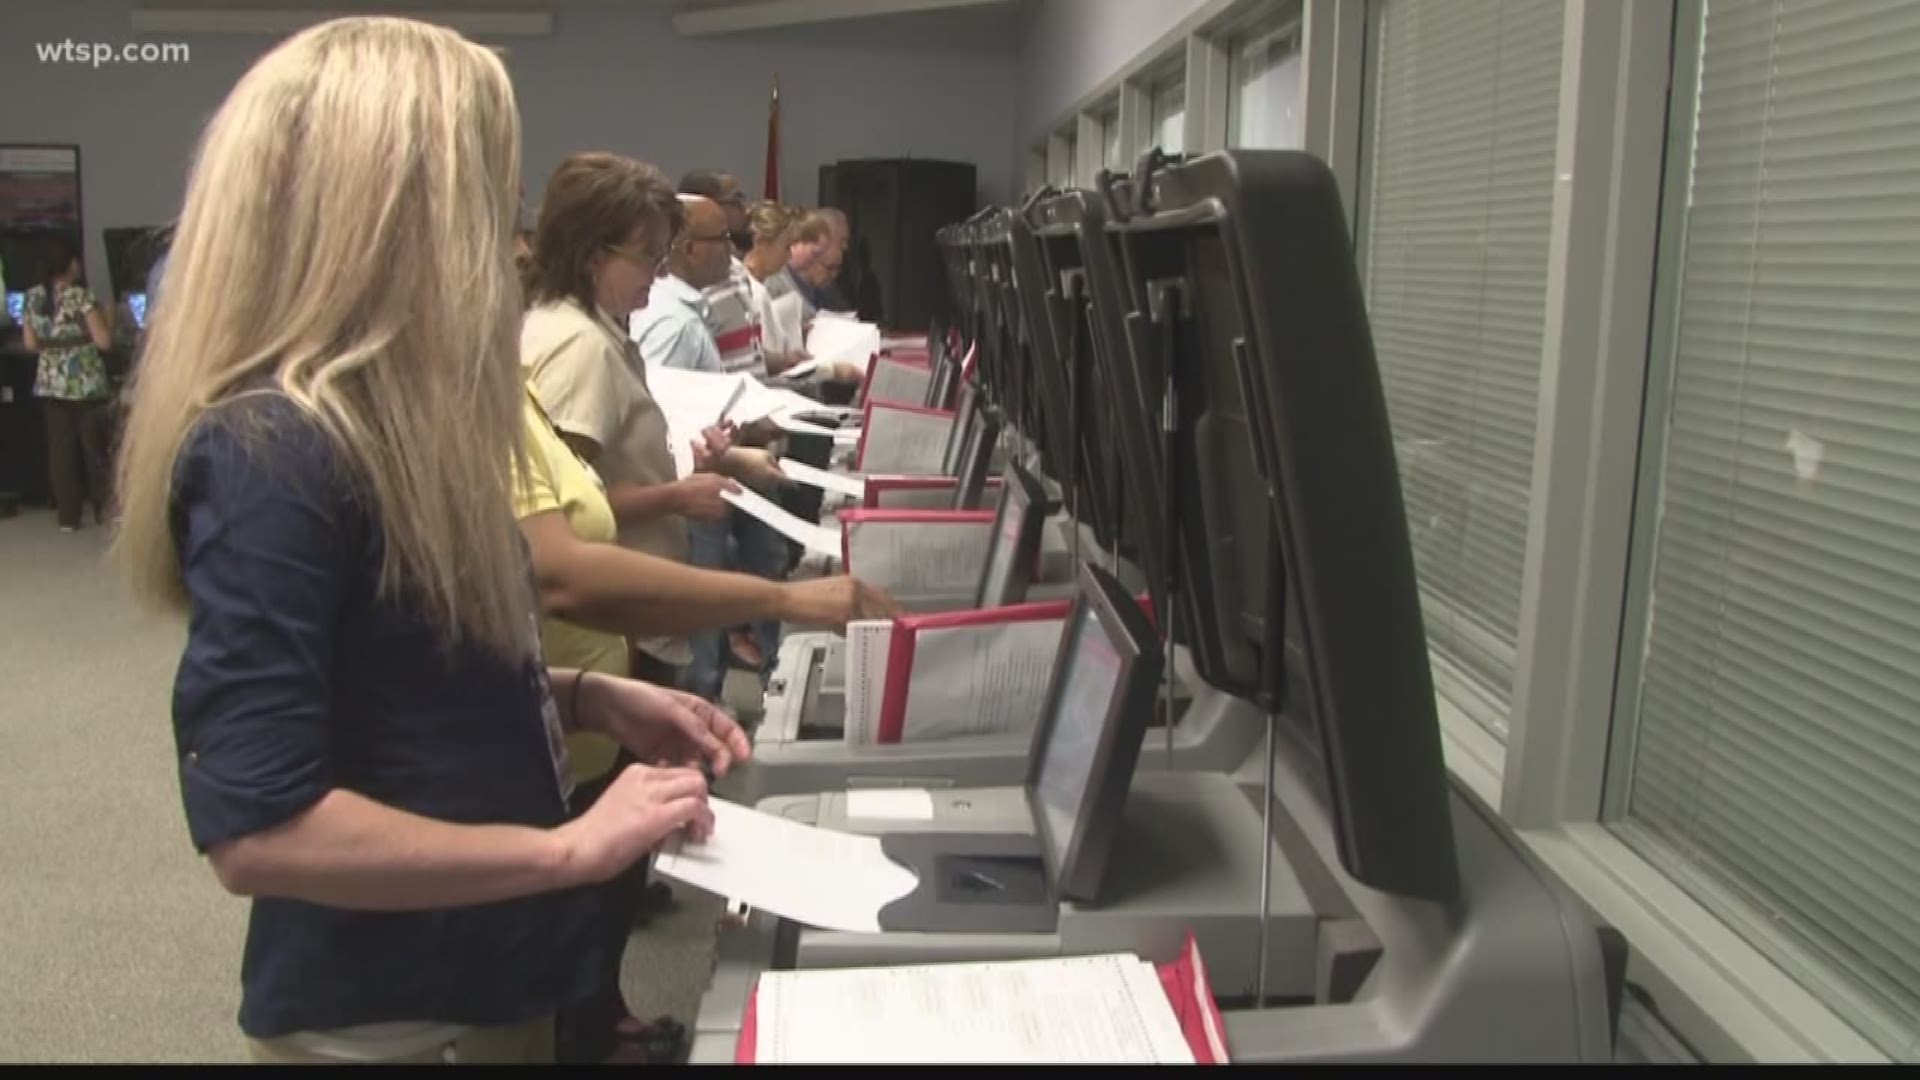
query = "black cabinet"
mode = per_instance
[
  {"x": 23, "y": 434},
  {"x": 893, "y": 274}
]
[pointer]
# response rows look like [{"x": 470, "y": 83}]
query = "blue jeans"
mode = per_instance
[{"x": 748, "y": 545}]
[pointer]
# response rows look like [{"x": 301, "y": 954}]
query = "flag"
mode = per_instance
[{"x": 770, "y": 187}]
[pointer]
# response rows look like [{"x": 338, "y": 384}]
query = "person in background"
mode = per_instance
[
  {"x": 672, "y": 329},
  {"x": 817, "y": 276},
  {"x": 66, "y": 326},
  {"x": 837, "y": 294},
  {"x": 724, "y": 189},
  {"x": 319, "y": 473},
  {"x": 771, "y": 225},
  {"x": 810, "y": 241},
  {"x": 730, "y": 314},
  {"x": 672, "y": 332},
  {"x": 779, "y": 231},
  {"x": 603, "y": 225}
]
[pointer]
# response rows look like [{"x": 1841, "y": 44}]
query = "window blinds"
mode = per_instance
[
  {"x": 1776, "y": 761},
  {"x": 1465, "y": 107}
]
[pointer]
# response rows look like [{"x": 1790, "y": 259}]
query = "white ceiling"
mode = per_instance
[
  {"x": 692, "y": 18},
  {"x": 705, "y": 17}
]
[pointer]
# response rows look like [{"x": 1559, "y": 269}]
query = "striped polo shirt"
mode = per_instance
[{"x": 736, "y": 324}]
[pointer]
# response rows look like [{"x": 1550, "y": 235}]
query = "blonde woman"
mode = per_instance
[{"x": 318, "y": 473}]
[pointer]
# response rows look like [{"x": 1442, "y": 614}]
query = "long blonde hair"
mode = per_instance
[{"x": 347, "y": 238}]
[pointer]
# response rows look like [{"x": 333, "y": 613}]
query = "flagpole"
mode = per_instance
[{"x": 770, "y": 185}]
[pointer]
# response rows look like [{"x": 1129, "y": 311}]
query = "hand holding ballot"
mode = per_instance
[
  {"x": 753, "y": 467},
  {"x": 834, "y": 602},
  {"x": 642, "y": 809},
  {"x": 702, "y": 496}
]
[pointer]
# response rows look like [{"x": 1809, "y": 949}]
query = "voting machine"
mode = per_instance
[
  {"x": 1352, "y": 903},
  {"x": 1015, "y": 318}
]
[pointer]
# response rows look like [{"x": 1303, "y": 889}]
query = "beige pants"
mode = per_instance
[{"x": 523, "y": 1044}]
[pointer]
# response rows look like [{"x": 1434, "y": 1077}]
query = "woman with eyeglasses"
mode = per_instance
[{"x": 604, "y": 512}]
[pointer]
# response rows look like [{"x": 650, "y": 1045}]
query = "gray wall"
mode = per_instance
[
  {"x": 613, "y": 76},
  {"x": 1068, "y": 47}
]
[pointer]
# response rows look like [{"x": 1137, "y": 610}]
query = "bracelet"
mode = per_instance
[{"x": 573, "y": 700}]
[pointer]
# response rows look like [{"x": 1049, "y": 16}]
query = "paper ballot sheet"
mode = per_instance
[
  {"x": 835, "y": 339},
  {"x": 919, "y": 560},
  {"x": 816, "y": 877},
  {"x": 979, "y": 680},
  {"x": 815, "y": 538},
  {"x": 906, "y": 442},
  {"x": 802, "y": 473},
  {"x": 1107, "y": 1009},
  {"x": 869, "y": 644},
  {"x": 795, "y": 426}
]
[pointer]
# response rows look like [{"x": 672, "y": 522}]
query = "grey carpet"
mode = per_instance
[{"x": 116, "y": 943}]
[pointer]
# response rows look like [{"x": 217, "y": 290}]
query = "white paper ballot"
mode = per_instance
[
  {"x": 692, "y": 401},
  {"x": 801, "y": 370},
  {"x": 802, "y": 473},
  {"x": 896, "y": 380},
  {"x": 919, "y": 559},
  {"x": 835, "y": 339},
  {"x": 842, "y": 436},
  {"x": 906, "y": 442},
  {"x": 869, "y": 645},
  {"x": 890, "y": 804},
  {"x": 816, "y": 538},
  {"x": 979, "y": 680},
  {"x": 1107, "y": 1009},
  {"x": 816, "y": 877}
]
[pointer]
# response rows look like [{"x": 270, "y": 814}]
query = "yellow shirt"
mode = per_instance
[
  {"x": 590, "y": 380},
  {"x": 558, "y": 480}
]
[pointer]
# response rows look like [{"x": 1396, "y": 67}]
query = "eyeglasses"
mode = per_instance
[{"x": 654, "y": 261}]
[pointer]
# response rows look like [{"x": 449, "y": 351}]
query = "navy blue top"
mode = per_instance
[{"x": 298, "y": 679}]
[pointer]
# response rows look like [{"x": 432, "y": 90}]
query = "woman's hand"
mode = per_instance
[
  {"x": 665, "y": 727},
  {"x": 640, "y": 810},
  {"x": 833, "y": 602},
  {"x": 754, "y": 468},
  {"x": 699, "y": 496},
  {"x": 711, "y": 446}
]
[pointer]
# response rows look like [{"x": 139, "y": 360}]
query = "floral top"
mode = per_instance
[{"x": 71, "y": 366}]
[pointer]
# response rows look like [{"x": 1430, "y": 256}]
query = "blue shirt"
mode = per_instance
[
  {"x": 672, "y": 329},
  {"x": 298, "y": 678}
]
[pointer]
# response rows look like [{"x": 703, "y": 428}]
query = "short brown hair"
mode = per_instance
[
  {"x": 813, "y": 229},
  {"x": 592, "y": 202}
]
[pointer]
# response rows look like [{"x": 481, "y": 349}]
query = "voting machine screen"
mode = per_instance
[
  {"x": 1016, "y": 541},
  {"x": 1088, "y": 740}
]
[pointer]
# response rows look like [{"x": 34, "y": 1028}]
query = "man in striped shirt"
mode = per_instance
[{"x": 736, "y": 323}]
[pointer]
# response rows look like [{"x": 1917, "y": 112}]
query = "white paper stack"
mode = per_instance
[
  {"x": 1107, "y": 1009},
  {"x": 836, "y": 339}
]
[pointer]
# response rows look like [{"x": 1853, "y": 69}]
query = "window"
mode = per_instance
[
  {"x": 1457, "y": 204},
  {"x": 1263, "y": 109},
  {"x": 1169, "y": 112},
  {"x": 1112, "y": 155},
  {"x": 1772, "y": 728},
  {"x": 1060, "y": 159}
]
